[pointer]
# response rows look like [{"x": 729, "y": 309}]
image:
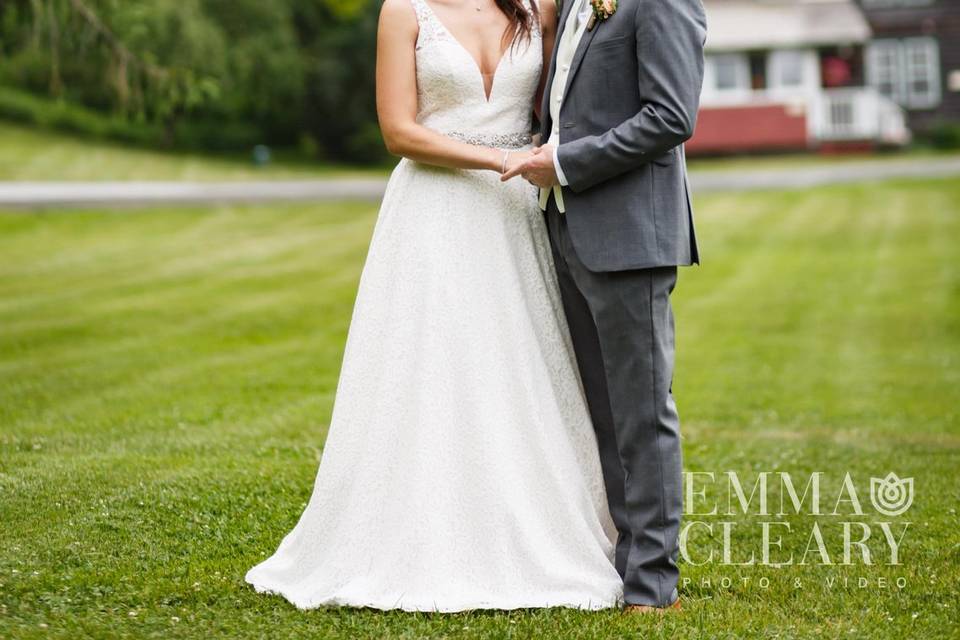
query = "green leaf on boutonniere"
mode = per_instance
[{"x": 602, "y": 9}]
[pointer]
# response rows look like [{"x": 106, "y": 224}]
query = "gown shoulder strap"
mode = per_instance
[
  {"x": 423, "y": 11},
  {"x": 430, "y": 28},
  {"x": 534, "y": 7}
]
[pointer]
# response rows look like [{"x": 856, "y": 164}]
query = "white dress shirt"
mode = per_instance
[
  {"x": 573, "y": 31},
  {"x": 583, "y": 17}
]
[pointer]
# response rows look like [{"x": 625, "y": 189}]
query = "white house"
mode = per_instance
[{"x": 789, "y": 74}]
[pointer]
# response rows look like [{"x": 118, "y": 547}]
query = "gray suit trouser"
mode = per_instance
[{"x": 621, "y": 324}]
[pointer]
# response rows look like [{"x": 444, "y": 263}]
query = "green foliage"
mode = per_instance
[
  {"x": 63, "y": 115},
  {"x": 66, "y": 116},
  {"x": 944, "y": 135},
  {"x": 223, "y": 74}
]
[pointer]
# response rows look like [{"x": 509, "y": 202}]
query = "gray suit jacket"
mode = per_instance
[{"x": 631, "y": 101}]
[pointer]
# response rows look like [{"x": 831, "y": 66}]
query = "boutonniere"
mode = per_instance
[{"x": 602, "y": 9}]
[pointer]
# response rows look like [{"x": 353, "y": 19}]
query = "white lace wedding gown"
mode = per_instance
[{"x": 461, "y": 469}]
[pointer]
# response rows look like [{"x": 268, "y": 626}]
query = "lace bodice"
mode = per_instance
[{"x": 450, "y": 90}]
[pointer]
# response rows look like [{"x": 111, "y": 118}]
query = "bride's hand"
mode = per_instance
[{"x": 515, "y": 159}]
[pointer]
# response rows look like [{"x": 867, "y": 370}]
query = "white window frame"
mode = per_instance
[
  {"x": 779, "y": 63},
  {"x": 805, "y": 61},
  {"x": 928, "y": 70},
  {"x": 883, "y": 68},
  {"x": 741, "y": 70},
  {"x": 893, "y": 62}
]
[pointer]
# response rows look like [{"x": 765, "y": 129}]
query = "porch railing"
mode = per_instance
[{"x": 859, "y": 114}]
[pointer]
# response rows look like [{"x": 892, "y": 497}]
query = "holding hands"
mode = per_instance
[
  {"x": 536, "y": 166},
  {"x": 514, "y": 159}
]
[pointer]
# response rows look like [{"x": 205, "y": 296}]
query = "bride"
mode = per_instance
[{"x": 461, "y": 470}]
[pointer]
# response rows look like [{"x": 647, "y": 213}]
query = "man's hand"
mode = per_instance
[
  {"x": 515, "y": 159},
  {"x": 538, "y": 169}
]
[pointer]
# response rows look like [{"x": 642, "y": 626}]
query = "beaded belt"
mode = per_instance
[{"x": 496, "y": 140}]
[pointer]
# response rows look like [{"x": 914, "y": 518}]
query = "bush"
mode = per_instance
[
  {"x": 366, "y": 145},
  {"x": 211, "y": 135},
  {"x": 944, "y": 135},
  {"x": 60, "y": 115}
]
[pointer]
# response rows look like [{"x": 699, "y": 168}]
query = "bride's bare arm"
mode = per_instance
[
  {"x": 397, "y": 99},
  {"x": 548, "y": 27}
]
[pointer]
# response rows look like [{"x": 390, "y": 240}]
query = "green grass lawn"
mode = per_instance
[
  {"x": 34, "y": 154},
  {"x": 802, "y": 160},
  {"x": 166, "y": 379}
]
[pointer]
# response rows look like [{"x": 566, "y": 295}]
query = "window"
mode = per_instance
[
  {"x": 907, "y": 71},
  {"x": 787, "y": 68},
  {"x": 883, "y": 68},
  {"x": 731, "y": 72},
  {"x": 921, "y": 58}
]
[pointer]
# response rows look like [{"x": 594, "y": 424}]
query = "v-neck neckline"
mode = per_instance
[{"x": 477, "y": 65}]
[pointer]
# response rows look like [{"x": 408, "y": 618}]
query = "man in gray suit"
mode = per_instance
[{"x": 622, "y": 97}]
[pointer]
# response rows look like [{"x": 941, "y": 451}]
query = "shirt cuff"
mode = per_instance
[{"x": 562, "y": 179}]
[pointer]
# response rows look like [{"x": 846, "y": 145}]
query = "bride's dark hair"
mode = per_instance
[{"x": 522, "y": 18}]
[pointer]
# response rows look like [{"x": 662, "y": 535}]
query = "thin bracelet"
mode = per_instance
[{"x": 503, "y": 165}]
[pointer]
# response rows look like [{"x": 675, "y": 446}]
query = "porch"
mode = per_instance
[{"x": 795, "y": 81}]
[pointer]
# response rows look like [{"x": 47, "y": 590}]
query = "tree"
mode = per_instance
[{"x": 213, "y": 73}]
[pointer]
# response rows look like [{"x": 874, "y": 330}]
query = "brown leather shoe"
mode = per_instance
[{"x": 646, "y": 608}]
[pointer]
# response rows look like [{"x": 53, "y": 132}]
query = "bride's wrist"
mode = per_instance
[{"x": 494, "y": 159}]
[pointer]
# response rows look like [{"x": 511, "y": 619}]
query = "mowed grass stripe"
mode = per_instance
[
  {"x": 828, "y": 299},
  {"x": 167, "y": 377},
  {"x": 37, "y": 155},
  {"x": 203, "y": 245}
]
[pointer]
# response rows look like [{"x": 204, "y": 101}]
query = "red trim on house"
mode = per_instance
[{"x": 734, "y": 129}]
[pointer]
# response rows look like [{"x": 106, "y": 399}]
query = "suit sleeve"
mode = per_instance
[{"x": 670, "y": 39}]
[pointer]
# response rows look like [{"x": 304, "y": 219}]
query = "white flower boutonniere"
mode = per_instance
[{"x": 602, "y": 9}]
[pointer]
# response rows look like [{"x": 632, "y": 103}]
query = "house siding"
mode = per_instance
[
  {"x": 940, "y": 20},
  {"x": 748, "y": 128}
]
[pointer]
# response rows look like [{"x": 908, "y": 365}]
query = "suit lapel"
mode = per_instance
[
  {"x": 564, "y": 13},
  {"x": 580, "y": 53}
]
